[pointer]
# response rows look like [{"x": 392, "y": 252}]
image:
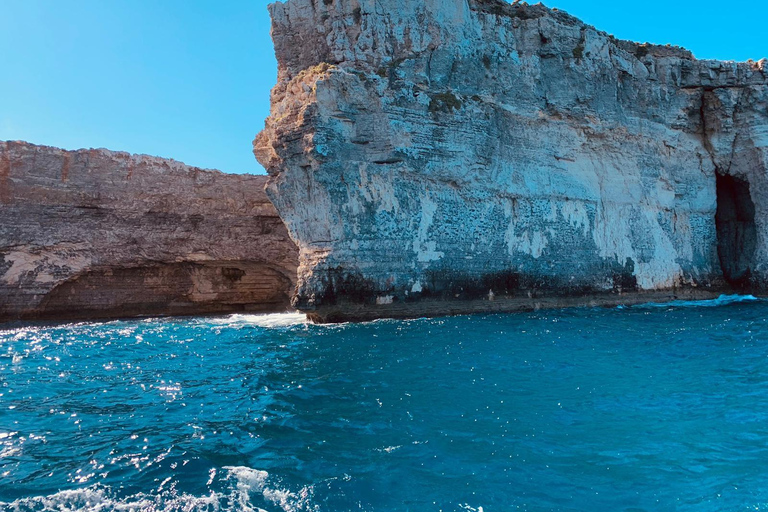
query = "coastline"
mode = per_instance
[{"x": 428, "y": 308}]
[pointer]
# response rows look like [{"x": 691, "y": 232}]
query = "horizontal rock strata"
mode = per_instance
[
  {"x": 436, "y": 156},
  {"x": 98, "y": 234}
]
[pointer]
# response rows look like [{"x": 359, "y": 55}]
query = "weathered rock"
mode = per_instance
[
  {"x": 443, "y": 156},
  {"x": 94, "y": 233}
]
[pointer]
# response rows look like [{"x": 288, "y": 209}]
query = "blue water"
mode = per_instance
[{"x": 657, "y": 407}]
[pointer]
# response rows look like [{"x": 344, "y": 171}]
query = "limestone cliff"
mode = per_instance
[
  {"x": 440, "y": 156},
  {"x": 94, "y": 233}
]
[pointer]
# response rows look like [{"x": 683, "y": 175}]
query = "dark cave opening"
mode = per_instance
[{"x": 736, "y": 231}]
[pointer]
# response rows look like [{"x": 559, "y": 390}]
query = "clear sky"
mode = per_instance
[{"x": 190, "y": 79}]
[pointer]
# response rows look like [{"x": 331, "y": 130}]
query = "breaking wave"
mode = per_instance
[
  {"x": 723, "y": 300},
  {"x": 246, "y": 490},
  {"x": 269, "y": 321}
]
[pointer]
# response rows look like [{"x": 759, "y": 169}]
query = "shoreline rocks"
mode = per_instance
[{"x": 458, "y": 151}]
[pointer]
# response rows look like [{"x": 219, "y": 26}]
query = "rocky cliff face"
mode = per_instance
[
  {"x": 436, "y": 156},
  {"x": 94, "y": 233}
]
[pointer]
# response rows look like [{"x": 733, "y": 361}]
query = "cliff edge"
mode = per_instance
[
  {"x": 100, "y": 234},
  {"x": 448, "y": 156}
]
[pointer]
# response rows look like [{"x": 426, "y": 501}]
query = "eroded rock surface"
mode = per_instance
[
  {"x": 95, "y": 233},
  {"x": 473, "y": 151}
]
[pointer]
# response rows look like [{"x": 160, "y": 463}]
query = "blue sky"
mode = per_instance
[{"x": 190, "y": 79}]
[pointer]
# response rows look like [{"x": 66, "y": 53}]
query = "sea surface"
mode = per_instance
[{"x": 654, "y": 407}]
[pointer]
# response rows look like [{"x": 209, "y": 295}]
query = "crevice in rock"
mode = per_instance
[
  {"x": 734, "y": 120},
  {"x": 736, "y": 230},
  {"x": 705, "y": 128}
]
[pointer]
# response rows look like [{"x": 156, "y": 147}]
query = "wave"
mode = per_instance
[
  {"x": 246, "y": 488},
  {"x": 723, "y": 300},
  {"x": 269, "y": 321}
]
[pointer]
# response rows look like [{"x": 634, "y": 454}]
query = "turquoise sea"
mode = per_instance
[{"x": 654, "y": 408}]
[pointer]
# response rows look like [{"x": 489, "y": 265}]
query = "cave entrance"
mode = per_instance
[{"x": 736, "y": 231}]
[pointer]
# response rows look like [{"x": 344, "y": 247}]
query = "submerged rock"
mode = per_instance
[
  {"x": 447, "y": 156},
  {"x": 95, "y": 233}
]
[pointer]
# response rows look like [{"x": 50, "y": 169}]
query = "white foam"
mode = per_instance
[
  {"x": 270, "y": 321},
  {"x": 255, "y": 481},
  {"x": 389, "y": 449},
  {"x": 248, "y": 480},
  {"x": 722, "y": 300},
  {"x": 98, "y": 499},
  {"x": 244, "y": 484}
]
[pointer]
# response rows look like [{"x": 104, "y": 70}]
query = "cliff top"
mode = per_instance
[
  {"x": 155, "y": 163},
  {"x": 336, "y": 31},
  {"x": 526, "y": 11}
]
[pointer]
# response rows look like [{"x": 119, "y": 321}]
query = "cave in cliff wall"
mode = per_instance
[{"x": 736, "y": 231}]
